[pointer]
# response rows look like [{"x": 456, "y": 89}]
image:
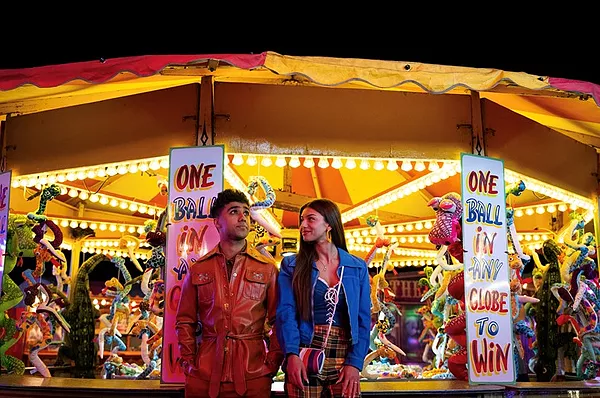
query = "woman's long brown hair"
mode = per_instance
[{"x": 307, "y": 254}]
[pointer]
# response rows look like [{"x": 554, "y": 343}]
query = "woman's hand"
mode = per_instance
[
  {"x": 296, "y": 372},
  {"x": 350, "y": 379}
]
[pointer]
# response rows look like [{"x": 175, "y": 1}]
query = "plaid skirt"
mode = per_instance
[{"x": 324, "y": 384}]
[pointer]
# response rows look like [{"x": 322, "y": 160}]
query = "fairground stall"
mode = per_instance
[{"x": 92, "y": 264}]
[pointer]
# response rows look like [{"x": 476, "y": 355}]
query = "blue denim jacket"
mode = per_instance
[{"x": 292, "y": 331}]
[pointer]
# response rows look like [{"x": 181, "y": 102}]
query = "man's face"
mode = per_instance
[{"x": 234, "y": 221}]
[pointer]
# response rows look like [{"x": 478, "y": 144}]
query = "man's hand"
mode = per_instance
[{"x": 186, "y": 366}]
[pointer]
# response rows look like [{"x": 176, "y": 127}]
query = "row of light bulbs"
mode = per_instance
[
  {"x": 407, "y": 189},
  {"x": 162, "y": 162},
  {"x": 451, "y": 167},
  {"x": 397, "y": 251},
  {"x": 541, "y": 209},
  {"x": 420, "y": 238},
  {"x": 424, "y": 238},
  {"x": 336, "y": 162},
  {"x": 406, "y": 263},
  {"x": 551, "y": 191},
  {"x": 427, "y": 224},
  {"x": 104, "y": 302},
  {"x": 407, "y": 165},
  {"x": 108, "y": 200},
  {"x": 527, "y": 237},
  {"x": 391, "y": 228},
  {"x": 81, "y": 173},
  {"x": 110, "y": 252},
  {"x": 133, "y": 309},
  {"x": 533, "y": 184},
  {"x": 111, "y": 243},
  {"x": 101, "y": 225}
]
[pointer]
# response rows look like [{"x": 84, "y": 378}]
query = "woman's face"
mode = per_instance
[{"x": 313, "y": 227}]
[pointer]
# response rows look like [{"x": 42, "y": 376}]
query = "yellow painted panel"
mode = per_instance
[
  {"x": 539, "y": 152},
  {"x": 134, "y": 127},
  {"x": 310, "y": 120}
]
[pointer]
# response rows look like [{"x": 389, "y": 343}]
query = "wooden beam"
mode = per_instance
[
  {"x": 588, "y": 139},
  {"x": 520, "y": 91},
  {"x": 206, "y": 128},
  {"x": 315, "y": 180},
  {"x": 287, "y": 178},
  {"x": 477, "y": 136}
]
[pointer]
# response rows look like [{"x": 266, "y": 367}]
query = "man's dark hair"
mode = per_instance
[{"x": 225, "y": 197}]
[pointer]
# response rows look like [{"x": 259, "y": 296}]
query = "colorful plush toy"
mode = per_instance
[
  {"x": 263, "y": 240},
  {"x": 258, "y": 208},
  {"x": 447, "y": 230},
  {"x": 446, "y": 282}
]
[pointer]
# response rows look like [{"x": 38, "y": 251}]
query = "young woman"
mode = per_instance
[{"x": 307, "y": 286}]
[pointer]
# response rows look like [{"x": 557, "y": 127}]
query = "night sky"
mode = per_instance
[{"x": 539, "y": 46}]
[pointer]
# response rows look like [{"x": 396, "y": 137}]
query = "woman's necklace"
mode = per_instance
[{"x": 324, "y": 265}]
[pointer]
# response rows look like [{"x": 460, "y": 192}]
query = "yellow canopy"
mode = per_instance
[{"x": 571, "y": 112}]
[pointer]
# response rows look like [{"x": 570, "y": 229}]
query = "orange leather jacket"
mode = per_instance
[{"x": 232, "y": 316}]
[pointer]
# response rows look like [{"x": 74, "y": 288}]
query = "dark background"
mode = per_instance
[{"x": 547, "y": 42}]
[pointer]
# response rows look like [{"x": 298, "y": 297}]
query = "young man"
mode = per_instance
[{"x": 230, "y": 293}]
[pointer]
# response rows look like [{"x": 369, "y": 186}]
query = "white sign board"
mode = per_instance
[
  {"x": 195, "y": 180},
  {"x": 4, "y": 207},
  {"x": 487, "y": 290}
]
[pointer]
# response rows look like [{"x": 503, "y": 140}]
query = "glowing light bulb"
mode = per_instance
[
  {"x": 280, "y": 161},
  {"x": 251, "y": 161},
  {"x": 419, "y": 166},
  {"x": 337, "y": 163},
  {"x": 294, "y": 162},
  {"x": 433, "y": 166},
  {"x": 392, "y": 165},
  {"x": 323, "y": 163},
  {"x": 266, "y": 161}
]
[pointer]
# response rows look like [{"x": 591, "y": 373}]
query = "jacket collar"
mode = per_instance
[
  {"x": 248, "y": 250},
  {"x": 347, "y": 259}
]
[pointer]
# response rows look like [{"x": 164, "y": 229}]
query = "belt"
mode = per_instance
[{"x": 239, "y": 378}]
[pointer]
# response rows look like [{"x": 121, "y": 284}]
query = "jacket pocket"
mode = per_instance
[
  {"x": 205, "y": 286},
  {"x": 255, "y": 283}
]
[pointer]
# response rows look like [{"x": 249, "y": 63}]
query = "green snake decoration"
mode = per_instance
[
  {"x": 48, "y": 193},
  {"x": 19, "y": 243},
  {"x": 546, "y": 314},
  {"x": 81, "y": 316}
]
